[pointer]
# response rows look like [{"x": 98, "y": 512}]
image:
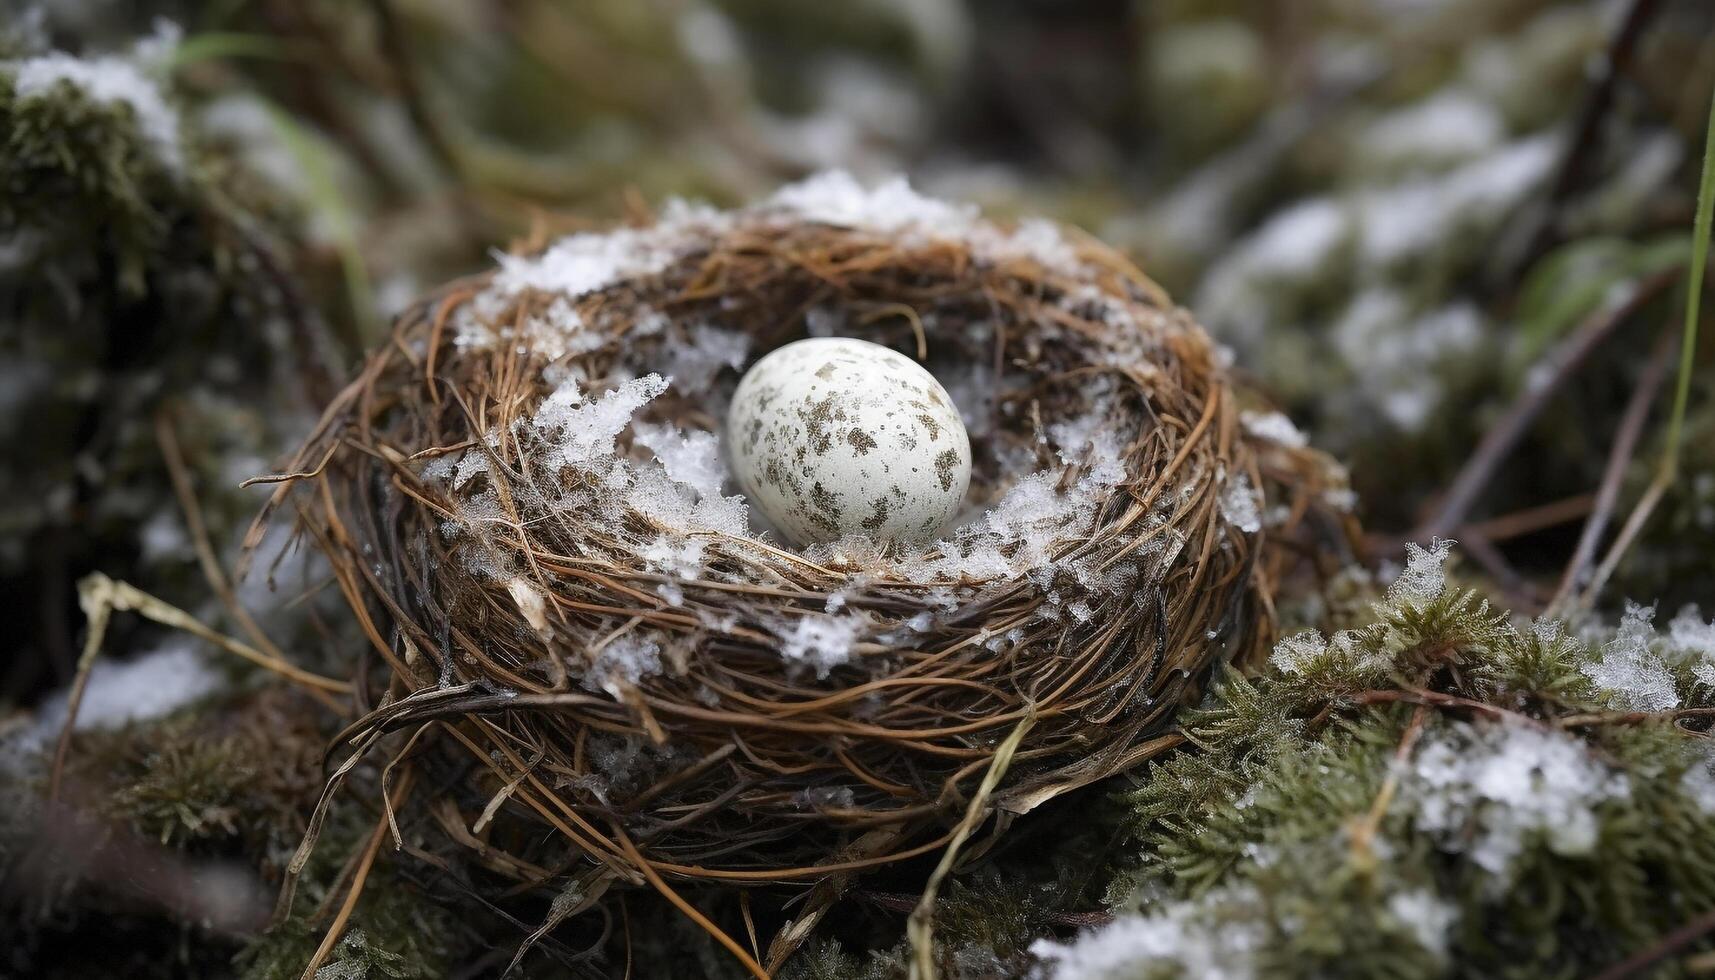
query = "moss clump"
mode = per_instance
[
  {"x": 135, "y": 283},
  {"x": 1440, "y": 793}
]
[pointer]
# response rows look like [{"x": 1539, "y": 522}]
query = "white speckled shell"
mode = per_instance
[{"x": 833, "y": 436}]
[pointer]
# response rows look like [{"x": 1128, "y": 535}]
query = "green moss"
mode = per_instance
[{"x": 1299, "y": 824}]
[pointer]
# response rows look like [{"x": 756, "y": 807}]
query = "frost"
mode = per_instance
[
  {"x": 1490, "y": 790},
  {"x": 1274, "y": 427},
  {"x": 822, "y": 641},
  {"x": 1424, "y": 577},
  {"x": 1296, "y": 653},
  {"x": 1241, "y": 505},
  {"x": 1629, "y": 669},
  {"x": 113, "y": 80},
  {"x": 1307, "y": 652},
  {"x": 583, "y": 263},
  {"x": 1213, "y": 937}
]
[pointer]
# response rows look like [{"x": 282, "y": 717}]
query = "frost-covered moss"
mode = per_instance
[
  {"x": 135, "y": 285},
  {"x": 1443, "y": 792}
]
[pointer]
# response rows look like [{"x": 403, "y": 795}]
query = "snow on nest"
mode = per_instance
[
  {"x": 115, "y": 80},
  {"x": 588, "y": 262},
  {"x": 675, "y": 477},
  {"x": 1274, "y": 427}
]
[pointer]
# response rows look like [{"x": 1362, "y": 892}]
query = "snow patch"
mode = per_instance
[
  {"x": 113, "y": 80},
  {"x": 1489, "y": 790}
]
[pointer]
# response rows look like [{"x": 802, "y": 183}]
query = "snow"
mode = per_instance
[
  {"x": 1448, "y": 127},
  {"x": 1289, "y": 250},
  {"x": 1241, "y": 505},
  {"x": 580, "y": 432},
  {"x": 1297, "y": 242},
  {"x": 1393, "y": 353},
  {"x": 708, "y": 37},
  {"x": 1405, "y": 220},
  {"x": 119, "y": 692},
  {"x": 1425, "y": 916},
  {"x": 1213, "y": 937},
  {"x": 1274, "y": 427},
  {"x": 691, "y": 458},
  {"x": 821, "y": 641},
  {"x": 1688, "y": 636},
  {"x": 891, "y": 207},
  {"x": 1629, "y": 670},
  {"x": 112, "y": 80},
  {"x": 1698, "y": 783},
  {"x": 587, "y": 262},
  {"x": 693, "y": 365},
  {"x": 1489, "y": 790},
  {"x": 623, "y": 662}
]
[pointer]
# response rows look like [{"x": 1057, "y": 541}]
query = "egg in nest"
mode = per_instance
[{"x": 834, "y": 436}]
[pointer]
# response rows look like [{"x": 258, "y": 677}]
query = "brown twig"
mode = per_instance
[
  {"x": 1364, "y": 833},
  {"x": 365, "y": 863},
  {"x": 1580, "y": 149},
  {"x": 1620, "y": 456},
  {"x": 1558, "y": 366},
  {"x": 1673, "y": 942}
]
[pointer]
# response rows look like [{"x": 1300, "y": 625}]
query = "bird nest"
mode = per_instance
[{"x": 523, "y": 500}]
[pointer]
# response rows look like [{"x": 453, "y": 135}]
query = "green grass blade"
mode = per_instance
[{"x": 1693, "y": 299}]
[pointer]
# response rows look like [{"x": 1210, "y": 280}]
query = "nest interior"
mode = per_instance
[{"x": 523, "y": 500}]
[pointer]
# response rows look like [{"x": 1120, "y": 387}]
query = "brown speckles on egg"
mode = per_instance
[
  {"x": 834, "y": 436},
  {"x": 946, "y": 466},
  {"x": 878, "y": 518},
  {"x": 862, "y": 441}
]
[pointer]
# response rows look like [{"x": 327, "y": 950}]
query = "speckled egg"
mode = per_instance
[{"x": 833, "y": 436}]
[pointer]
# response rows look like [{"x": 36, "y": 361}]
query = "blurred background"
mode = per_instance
[{"x": 1395, "y": 213}]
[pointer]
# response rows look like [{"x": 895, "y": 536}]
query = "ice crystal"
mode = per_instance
[{"x": 1629, "y": 669}]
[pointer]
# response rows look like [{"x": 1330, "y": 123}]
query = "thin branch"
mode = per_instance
[
  {"x": 1561, "y": 364},
  {"x": 1620, "y": 457},
  {"x": 1580, "y": 149}
]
